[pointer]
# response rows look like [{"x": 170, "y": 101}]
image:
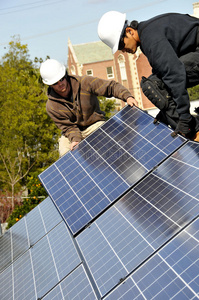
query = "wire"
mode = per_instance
[
  {"x": 79, "y": 24},
  {"x": 28, "y": 8}
]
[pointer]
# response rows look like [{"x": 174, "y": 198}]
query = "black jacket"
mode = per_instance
[{"x": 163, "y": 39}]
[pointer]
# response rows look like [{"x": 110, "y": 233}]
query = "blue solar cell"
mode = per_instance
[
  {"x": 6, "y": 291},
  {"x": 49, "y": 213},
  {"x": 169, "y": 273},
  {"x": 135, "y": 227},
  {"x": 74, "y": 286},
  {"x": 35, "y": 226},
  {"x": 44, "y": 268},
  {"x": 53, "y": 257},
  {"x": 105, "y": 165},
  {"x": 180, "y": 171},
  {"x": 63, "y": 250},
  {"x": 103, "y": 263},
  {"x": 142, "y": 246},
  {"x": 20, "y": 242},
  {"x": 125, "y": 291},
  {"x": 23, "y": 278},
  {"x": 5, "y": 250},
  {"x": 171, "y": 201}
]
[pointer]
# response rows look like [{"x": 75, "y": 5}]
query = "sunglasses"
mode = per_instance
[
  {"x": 121, "y": 43},
  {"x": 62, "y": 79}
]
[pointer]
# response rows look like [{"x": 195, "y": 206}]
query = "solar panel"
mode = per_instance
[
  {"x": 84, "y": 182},
  {"x": 41, "y": 267},
  {"x": 142, "y": 221},
  {"x": 172, "y": 273},
  {"x": 121, "y": 220},
  {"x": 28, "y": 231},
  {"x": 75, "y": 286}
]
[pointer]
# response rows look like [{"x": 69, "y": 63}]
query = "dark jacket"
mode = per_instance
[
  {"x": 82, "y": 110},
  {"x": 164, "y": 39}
]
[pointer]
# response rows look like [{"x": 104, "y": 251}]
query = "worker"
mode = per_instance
[
  {"x": 171, "y": 44},
  {"x": 73, "y": 104}
]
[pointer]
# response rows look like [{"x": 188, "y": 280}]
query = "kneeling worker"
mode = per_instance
[
  {"x": 73, "y": 104},
  {"x": 171, "y": 44}
]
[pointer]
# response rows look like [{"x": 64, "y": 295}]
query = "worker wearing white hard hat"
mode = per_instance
[
  {"x": 171, "y": 45},
  {"x": 52, "y": 71},
  {"x": 73, "y": 104}
]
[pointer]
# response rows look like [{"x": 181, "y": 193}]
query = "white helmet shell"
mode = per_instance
[
  {"x": 110, "y": 28},
  {"x": 52, "y": 71}
]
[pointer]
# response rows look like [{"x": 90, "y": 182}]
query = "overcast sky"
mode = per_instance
[{"x": 46, "y": 25}]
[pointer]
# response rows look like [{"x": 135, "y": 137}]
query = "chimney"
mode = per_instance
[{"x": 196, "y": 9}]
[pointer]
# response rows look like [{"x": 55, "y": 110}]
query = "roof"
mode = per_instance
[{"x": 92, "y": 52}]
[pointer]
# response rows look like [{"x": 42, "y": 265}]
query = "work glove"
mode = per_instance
[{"x": 186, "y": 127}]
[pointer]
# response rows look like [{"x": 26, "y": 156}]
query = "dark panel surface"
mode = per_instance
[{"x": 105, "y": 165}]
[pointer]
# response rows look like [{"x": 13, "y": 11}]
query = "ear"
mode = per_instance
[{"x": 130, "y": 31}]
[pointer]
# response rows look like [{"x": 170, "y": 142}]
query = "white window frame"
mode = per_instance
[
  {"x": 89, "y": 72},
  {"x": 110, "y": 75},
  {"x": 121, "y": 61},
  {"x": 73, "y": 70}
]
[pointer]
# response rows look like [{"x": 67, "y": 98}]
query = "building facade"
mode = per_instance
[{"x": 96, "y": 59}]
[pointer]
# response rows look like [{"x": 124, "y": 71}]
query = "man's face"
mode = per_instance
[
  {"x": 130, "y": 41},
  {"x": 62, "y": 87},
  {"x": 130, "y": 44}
]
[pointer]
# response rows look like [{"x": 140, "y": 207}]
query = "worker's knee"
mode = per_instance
[
  {"x": 64, "y": 145},
  {"x": 191, "y": 63},
  {"x": 92, "y": 128}
]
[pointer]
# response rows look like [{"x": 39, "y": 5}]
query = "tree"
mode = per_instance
[
  {"x": 194, "y": 92},
  {"x": 28, "y": 136},
  {"x": 36, "y": 194},
  {"x": 107, "y": 105}
]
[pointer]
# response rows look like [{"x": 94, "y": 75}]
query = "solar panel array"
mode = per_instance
[{"x": 121, "y": 220}]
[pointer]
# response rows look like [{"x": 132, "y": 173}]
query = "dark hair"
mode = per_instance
[{"x": 134, "y": 24}]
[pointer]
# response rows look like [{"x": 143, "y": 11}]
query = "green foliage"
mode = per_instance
[
  {"x": 28, "y": 136},
  {"x": 107, "y": 105},
  {"x": 194, "y": 92},
  {"x": 36, "y": 194}
]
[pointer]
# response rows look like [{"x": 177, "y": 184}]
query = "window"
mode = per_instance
[
  {"x": 109, "y": 71},
  {"x": 122, "y": 66},
  {"x": 73, "y": 70},
  {"x": 89, "y": 72}
]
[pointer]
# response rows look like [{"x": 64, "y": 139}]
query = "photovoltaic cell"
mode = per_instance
[
  {"x": 41, "y": 267},
  {"x": 182, "y": 169},
  {"x": 41, "y": 220},
  {"x": 115, "y": 157},
  {"x": 23, "y": 278},
  {"x": 142, "y": 246},
  {"x": 139, "y": 224},
  {"x": 53, "y": 258},
  {"x": 6, "y": 290},
  {"x": 172, "y": 273},
  {"x": 5, "y": 250},
  {"x": 74, "y": 286},
  {"x": 27, "y": 231}
]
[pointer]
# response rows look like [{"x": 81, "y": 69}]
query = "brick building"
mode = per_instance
[{"x": 96, "y": 59}]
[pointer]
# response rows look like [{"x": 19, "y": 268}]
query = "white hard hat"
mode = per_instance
[
  {"x": 110, "y": 28},
  {"x": 52, "y": 71}
]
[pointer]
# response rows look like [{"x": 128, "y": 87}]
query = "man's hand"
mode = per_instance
[
  {"x": 131, "y": 101},
  {"x": 186, "y": 127},
  {"x": 73, "y": 144}
]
